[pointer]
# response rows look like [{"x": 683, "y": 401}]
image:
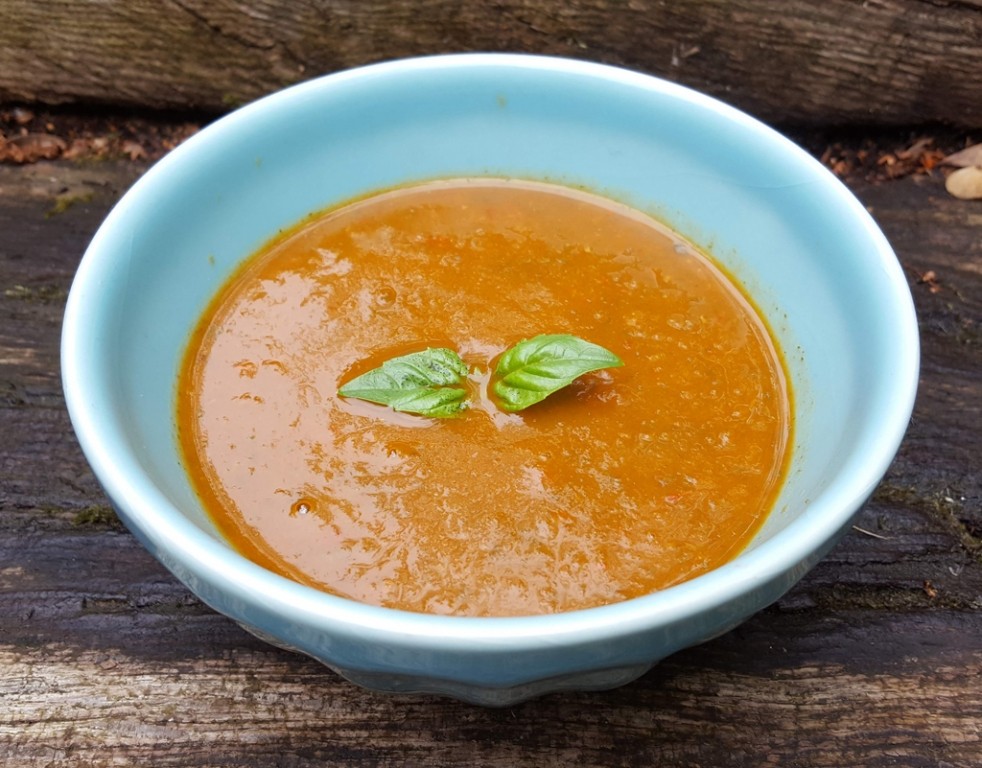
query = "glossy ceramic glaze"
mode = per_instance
[{"x": 805, "y": 249}]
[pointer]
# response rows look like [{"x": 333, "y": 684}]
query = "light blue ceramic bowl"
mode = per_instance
[{"x": 806, "y": 250}]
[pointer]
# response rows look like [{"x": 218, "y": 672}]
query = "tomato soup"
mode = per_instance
[{"x": 627, "y": 481}]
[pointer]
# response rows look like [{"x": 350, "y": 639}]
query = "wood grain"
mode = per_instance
[
  {"x": 844, "y": 61},
  {"x": 105, "y": 660}
]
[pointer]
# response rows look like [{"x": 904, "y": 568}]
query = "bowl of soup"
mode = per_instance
[{"x": 489, "y": 375}]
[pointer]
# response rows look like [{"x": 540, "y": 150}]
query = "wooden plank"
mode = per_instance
[
  {"x": 814, "y": 703},
  {"x": 105, "y": 660},
  {"x": 842, "y": 61},
  {"x": 39, "y": 250}
]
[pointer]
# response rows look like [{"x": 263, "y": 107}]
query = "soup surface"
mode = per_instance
[{"x": 625, "y": 482}]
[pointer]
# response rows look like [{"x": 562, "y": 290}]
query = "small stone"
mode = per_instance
[{"x": 965, "y": 183}]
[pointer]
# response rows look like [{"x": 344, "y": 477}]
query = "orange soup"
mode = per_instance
[{"x": 627, "y": 481}]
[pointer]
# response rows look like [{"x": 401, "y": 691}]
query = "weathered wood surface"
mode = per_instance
[
  {"x": 105, "y": 660},
  {"x": 840, "y": 61}
]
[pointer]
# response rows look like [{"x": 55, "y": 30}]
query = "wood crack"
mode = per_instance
[{"x": 219, "y": 30}]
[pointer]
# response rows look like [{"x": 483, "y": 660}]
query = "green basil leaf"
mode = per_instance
[
  {"x": 420, "y": 382},
  {"x": 535, "y": 368}
]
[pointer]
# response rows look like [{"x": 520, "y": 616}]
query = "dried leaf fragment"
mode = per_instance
[
  {"x": 966, "y": 157},
  {"x": 22, "y": 116},
  {"x": 133, "y": 150},
  {"x": 915, "y": 150},
  {"x": 965, "y": 183},
  {"x": 31, "y": 147},
  {"x": 930, "y": 279}
]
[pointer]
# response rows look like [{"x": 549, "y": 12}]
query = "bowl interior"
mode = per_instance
[{"x": 805, "y": 250}]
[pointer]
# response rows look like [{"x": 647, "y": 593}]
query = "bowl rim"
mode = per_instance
[{"x": 183, "y": 545}]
